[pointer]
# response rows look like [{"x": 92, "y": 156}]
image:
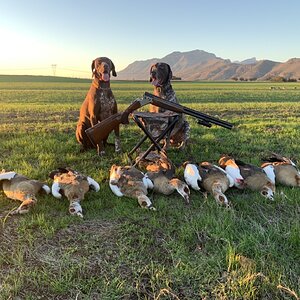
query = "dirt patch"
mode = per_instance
[
  {"x": 83, "y": 250},
  {"x": 91, "y": 241}
]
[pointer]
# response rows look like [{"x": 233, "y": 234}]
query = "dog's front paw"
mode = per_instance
[
  {"x": 100, "y": 149},
  {"x": 101, "y": 153},
  {"x": 119, "y": 150},
  {"x": 118, "y": 146}
]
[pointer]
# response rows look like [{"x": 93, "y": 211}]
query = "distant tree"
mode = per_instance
[
  {"x": 253, "y": 78},
  {"x": 234, "y": 78},
  {"x": 176, "y": 78},
  {"x": 292, "y": 80},
  {"x": 242, "y": 79},
  {"x": 278, "y": 78}
]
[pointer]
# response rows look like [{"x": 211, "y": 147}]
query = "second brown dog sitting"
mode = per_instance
[
  {"x": 160, "y": 77},
  {"x": 98, "y": 105}
]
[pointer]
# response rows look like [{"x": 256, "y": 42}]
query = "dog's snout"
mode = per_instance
[{"x": 106, "y": 68}]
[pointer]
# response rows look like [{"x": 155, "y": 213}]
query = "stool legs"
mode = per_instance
[{"x": 155, "y": 141}]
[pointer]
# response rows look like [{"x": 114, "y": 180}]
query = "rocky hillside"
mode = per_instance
[
  {"x": 201, "y": 65},
  {"x": 289, "y": 69}
]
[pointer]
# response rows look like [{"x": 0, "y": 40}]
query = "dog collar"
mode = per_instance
[{"x": 101, "y": 84}]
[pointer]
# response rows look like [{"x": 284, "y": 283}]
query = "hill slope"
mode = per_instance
[
  {"x": 201, "y": 65},
  {"x": 289, "y": 69}
]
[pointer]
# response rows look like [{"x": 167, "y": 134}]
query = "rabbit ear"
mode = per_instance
[{"x": 113, "y": 69}]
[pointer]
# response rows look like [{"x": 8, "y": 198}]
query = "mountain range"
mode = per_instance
[{"x": 201, "y": 65}]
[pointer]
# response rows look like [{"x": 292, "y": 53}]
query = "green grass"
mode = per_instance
[{"x": 119, "y": 251}]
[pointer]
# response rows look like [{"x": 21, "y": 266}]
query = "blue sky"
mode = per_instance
[{"x": 37, "y": 34}]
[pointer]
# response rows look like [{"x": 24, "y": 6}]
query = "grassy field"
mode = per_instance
[{"x": 120, "y": 251}]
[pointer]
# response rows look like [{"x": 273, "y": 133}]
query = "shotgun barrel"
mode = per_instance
[
  {"x": 100, "y": 131},
  {"x": 157, "y": 101}
]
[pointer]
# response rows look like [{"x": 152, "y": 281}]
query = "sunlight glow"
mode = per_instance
[{"x": 20, "y": 51}]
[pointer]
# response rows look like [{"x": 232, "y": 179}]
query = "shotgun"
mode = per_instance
[{"x": 100, "y": 131}]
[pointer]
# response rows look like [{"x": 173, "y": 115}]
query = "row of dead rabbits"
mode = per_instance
[{"x": 158, "y": 175}]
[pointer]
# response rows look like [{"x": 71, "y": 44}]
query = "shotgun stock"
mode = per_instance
[{"x": 100, "y": 131}]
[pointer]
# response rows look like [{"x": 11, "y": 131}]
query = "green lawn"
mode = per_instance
[{"x": 120, "y": 251}]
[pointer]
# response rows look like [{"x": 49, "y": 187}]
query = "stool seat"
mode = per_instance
[{"x": 155, "y": 123}]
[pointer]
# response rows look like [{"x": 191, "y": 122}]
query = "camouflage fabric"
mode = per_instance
[{"x": 181, "y": 131}]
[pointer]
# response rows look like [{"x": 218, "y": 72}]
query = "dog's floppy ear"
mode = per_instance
[
  {"x": 113, "y": 69},
  {"x": 170, "y": 72},
  {"x": 151, "y": 72},
  {"x": 93, "y": 67}
]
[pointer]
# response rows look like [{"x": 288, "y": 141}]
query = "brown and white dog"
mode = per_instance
[
  {"x": 160, "y": 77},
  {"x": 73, "y": 186},
  {"x": 98, "y": 105},
  {"x": 19, "y": 187}
]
